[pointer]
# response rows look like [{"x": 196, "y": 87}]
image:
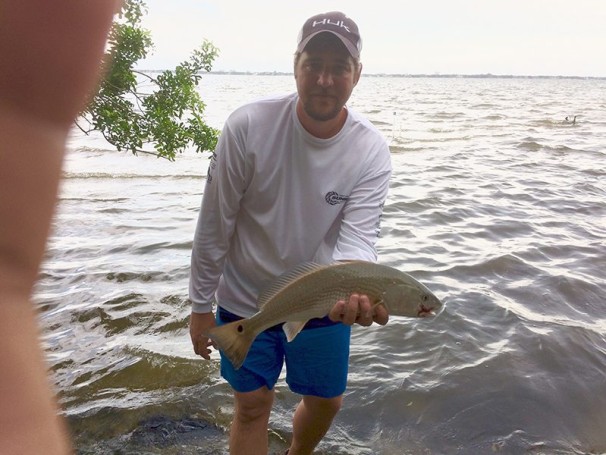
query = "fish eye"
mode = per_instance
[
  {"x": 240, "y": 328},
  {"x": 425, "y": 298}
]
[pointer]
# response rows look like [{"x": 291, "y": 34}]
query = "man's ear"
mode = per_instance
[
  {"x": 295, "y": 63},
  {"x": 358, "y": 73}
]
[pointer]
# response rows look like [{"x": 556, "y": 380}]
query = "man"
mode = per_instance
[
  {"x": 294, "y": 178},
  {"x": 50, "y": 55}
]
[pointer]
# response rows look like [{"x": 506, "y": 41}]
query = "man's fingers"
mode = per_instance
[
  {"x": 199, "y": 324},
  {"x": 365, "y": 314},
  {"x": 358, "y": 310},
  {"x": 337, "y": 311},
  {"x": 350, "y": 310},
  {"x": 380, "y": 314},
  {"x": 202, "y": 347}
]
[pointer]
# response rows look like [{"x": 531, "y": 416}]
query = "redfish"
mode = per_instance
[{"x": 311, "y": 290}]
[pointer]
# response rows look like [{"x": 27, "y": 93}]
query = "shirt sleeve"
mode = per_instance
[
  {"x": 225, "y": 186},
  {"x": 361, "y": 224}
]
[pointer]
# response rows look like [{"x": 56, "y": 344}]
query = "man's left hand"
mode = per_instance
[{"x": 358, "y": 310}]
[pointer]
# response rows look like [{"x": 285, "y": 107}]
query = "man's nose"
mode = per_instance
[{"x": 325, "y": 78}]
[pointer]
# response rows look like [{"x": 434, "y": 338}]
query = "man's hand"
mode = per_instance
[
  {"x": 200, "y": 323},
  {"x": 358, "y": 310}
]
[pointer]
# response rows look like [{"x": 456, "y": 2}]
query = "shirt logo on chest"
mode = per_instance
[{"x": 334, "y": 198}]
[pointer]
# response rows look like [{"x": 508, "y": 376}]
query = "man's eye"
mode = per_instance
[
  {"x": 340, "y": 70},
  {"x": 314, "y": 67}
]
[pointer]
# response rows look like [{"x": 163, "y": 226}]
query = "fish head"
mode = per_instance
[{"x": 411, "y": 300}]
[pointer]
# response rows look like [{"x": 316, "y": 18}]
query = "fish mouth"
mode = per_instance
[{"x": 425, "y": 312}]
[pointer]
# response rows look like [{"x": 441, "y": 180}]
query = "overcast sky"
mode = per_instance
[{"x": 519, "y": 37}]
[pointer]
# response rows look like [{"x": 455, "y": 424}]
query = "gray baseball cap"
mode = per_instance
[{"x": 334, "y": 22}]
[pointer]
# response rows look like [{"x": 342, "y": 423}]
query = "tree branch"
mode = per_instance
[{"x": 146, "y": 75}]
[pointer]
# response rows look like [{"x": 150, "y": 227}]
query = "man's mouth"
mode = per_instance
[{"x": 323, "y": 95}]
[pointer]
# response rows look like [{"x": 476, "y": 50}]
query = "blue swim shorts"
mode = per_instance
[{"x": 317, "y": 360}]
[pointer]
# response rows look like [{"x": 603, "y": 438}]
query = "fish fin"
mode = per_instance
[
  {"x": 234, "y": 339},
  {"x": 379, "y": 302},
  {"x": 292, "y": 329},
  {"x": 286, "y": 279}
]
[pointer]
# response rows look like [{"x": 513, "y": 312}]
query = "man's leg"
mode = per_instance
[
  {"x": 312, "y": 420},
  {"x": 253, "y": 389},
  {"x": 317, "y": 361},
  {"x": 248, "y": 435}
]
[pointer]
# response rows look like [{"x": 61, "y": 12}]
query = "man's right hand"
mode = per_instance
[{"x": 200, "y": 323}]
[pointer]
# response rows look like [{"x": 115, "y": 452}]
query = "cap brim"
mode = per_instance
[{"x": 353, "y": 50}]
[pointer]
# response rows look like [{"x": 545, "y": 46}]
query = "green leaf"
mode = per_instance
[{"x": 134, "y": 110}]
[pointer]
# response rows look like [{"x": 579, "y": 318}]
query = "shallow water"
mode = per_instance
[{"x": 496, "y": 204}]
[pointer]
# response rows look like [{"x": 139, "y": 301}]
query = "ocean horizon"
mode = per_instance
[{"x": 395, "y": 75}]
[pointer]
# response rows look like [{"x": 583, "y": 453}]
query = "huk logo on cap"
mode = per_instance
[{"x": 329, "y": 22}]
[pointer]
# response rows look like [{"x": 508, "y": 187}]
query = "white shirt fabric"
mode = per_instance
[{"x": 277, "y": 196}]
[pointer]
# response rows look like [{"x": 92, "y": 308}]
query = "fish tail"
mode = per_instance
[{"x": 234, "y": 339}]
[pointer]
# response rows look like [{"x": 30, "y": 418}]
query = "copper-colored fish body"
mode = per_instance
[{"x": 311, "y": 290}]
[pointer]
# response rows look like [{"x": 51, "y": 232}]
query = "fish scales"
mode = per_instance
[
  {"x": 311, "y": 290},
  {"x": 313, "y": 295}
]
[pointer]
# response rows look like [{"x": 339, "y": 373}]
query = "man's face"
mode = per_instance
[{"x": 326, "y": 75}]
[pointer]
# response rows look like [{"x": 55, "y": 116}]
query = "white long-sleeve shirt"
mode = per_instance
[{"x": 277, "y": 196}]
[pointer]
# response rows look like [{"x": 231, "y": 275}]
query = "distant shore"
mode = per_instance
[{"x": 402, "y": 75}]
